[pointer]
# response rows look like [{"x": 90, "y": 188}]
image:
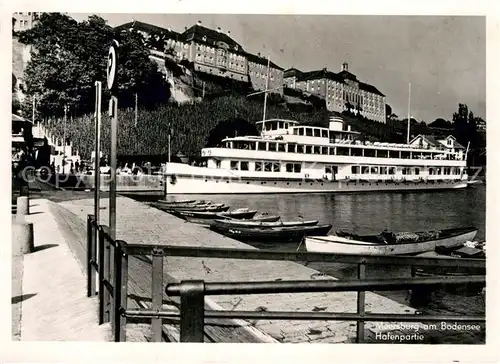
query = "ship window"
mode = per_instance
[
  {"x": 438, "y": 171},
  {"x": 405, "y": 155},
  {"x": 393, "y": 154},
  {"x": 267, "y": 166},
  {"x": 431, "y": 171},
  {"x": 392, "y": 170},
  {"x": 374, "y": 170},
  {"x": 317, "y": 150},
  {"x": 244, "y": 166},
  {"x": 317, "y": 132},
  {"x": 355, "y": 169},
  {"x": 369, "y": 152},
  {"x": 289, "y": 167},
  {"x": 308, "y": 149},
  {"x": 297, "y": 167},
  {"x": 324, "y": 133},
  {"x": 281, "y": 147},
  {"x": 291, "y": 148},
  {"x": 324, "y": 150},
  {"x": 365, "y": 170},
  {"x": 280, "y": 125},
  {"x": 383, "y": 170},
  {"x": 417, "y": 171},
  {"x": 295, "y": 131},
  {"x": 332, "y": 151},
  {"x": 276, "y": 167},
  {"x": 357, "y": 152},
  {"x": 342, "y": 151},
  {"x": 217, "y": 164},
  {"x": 309, "y": 132},
  {"x": 258, "y": 166},
  {"x": 262, "y": 146},
  {"x": 301, "y": 131},
  {"x": 300, "y": 148},
  {"x": 234, "y": 165},
  {"x": 272, "y": 147}
]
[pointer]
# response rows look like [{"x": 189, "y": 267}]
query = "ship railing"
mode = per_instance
[{"x": 108, "y": 278}]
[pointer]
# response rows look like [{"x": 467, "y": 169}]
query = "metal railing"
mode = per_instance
[{"x": 112, "y": 271}]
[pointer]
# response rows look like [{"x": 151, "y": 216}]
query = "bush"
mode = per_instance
[{"x": 191, "y": 125}]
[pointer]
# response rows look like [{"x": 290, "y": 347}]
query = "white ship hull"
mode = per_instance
[
  {"x": 185, "y": 185},
  {"x": 340, "y": 245}
]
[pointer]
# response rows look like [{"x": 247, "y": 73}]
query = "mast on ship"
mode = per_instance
[
  {"x": 267, "y": 87},
  {"x": 409, "y": 114},
  {"x": 265, "y": 91}
]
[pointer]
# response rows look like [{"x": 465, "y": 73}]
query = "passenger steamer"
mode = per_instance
[{"x": 291, "y": 158}]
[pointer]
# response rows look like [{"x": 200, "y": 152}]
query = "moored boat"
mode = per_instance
[
  {"x": 285, "y": 234},
  {"x": 387, "y": 243},
  {"x": 206, "y": 217},
  {"x": 181, "y": 202},
  {"x": 460, "y": 252},
  {"x": 263, "y": 224},
  {"x": 200, "y": 207}
]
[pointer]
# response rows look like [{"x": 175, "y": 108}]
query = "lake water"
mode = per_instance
[{"x": 366, "y": 213}]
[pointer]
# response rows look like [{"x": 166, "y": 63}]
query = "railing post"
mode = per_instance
[
  {"x": 192, "y": 311},
  {"x": 90, "y": 269},
  {"x": 101, "y": 274},
  {"x": 157, "y": 292},
  {"x": 360, "y": 337},
  {"x": 120, "y": 292}
]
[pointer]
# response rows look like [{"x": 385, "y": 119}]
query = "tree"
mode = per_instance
[
  {"x": 230, "y": 128},
  {"x": 69, "y": 57},
  {"x": 388, "y": 110},
  {"x": 441, "y": 123}
]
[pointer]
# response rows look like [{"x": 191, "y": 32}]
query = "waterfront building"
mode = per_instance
[
  {"x": 21, "y": 53},
  {"x": 341, "y": 91},
  {"x": 24, "y": 20},
  {"x": 210, "y": 51}
]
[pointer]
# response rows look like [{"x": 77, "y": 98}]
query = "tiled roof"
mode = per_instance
[
  {"x": 291, "y": 72},
  {"x": 431, "y": 139},
  {"x": 369, "y": 88},
  {"x": 316, "y": 75},
  {"x": 205, "y": 35},
  {"x": 261, "y": 60},
  {"x": 148, "y": 28}
]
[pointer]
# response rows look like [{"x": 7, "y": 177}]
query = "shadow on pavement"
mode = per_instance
[
  {"x": 21, "y": 298},
  {"x": 43, "y": 247}
]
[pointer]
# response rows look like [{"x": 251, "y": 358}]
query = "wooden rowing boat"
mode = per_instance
[
  {"x": 283, "y": 234},
  {"x": 263, "y": 224},
  {"x": 388, "y": 243}
]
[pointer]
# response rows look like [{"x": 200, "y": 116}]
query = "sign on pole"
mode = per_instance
[{"x": 112, "y": 84}]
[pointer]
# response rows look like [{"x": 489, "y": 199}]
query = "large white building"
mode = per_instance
[
  {"x": 211, "y": 51},
  {"x": 342, "y": 91}
]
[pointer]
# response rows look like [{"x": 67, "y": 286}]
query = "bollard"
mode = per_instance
[
  {"x": 23, "y": 206},
  {"x": 22, "y": 237}
]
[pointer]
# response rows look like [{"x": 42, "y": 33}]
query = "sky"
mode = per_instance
[{"x": 444, "y": 58}]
